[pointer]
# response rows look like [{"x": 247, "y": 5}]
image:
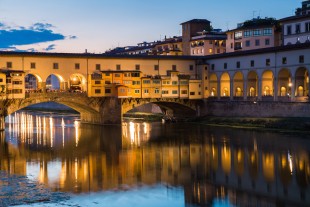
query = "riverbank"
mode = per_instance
[{"x": 275, "y": 123}]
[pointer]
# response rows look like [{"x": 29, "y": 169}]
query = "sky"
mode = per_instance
[{"x": 73, "y": 26}]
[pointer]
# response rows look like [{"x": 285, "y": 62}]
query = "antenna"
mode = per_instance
[{"x": 254, "y": 14}]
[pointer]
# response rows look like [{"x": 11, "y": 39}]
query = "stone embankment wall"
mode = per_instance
[{"x": 255, "y": 109}]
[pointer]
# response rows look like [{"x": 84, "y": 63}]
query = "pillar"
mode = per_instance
[
  {"x": 231, "y": 91},
  {"x": 43, "y": 87},
  {"x": 275, "y": 89},
  {"x": 259, "y": 87},
  {"x": 293, "y": 88},
  {"x": 245, "y": 90},
  {"x": 218, "y": 89}
]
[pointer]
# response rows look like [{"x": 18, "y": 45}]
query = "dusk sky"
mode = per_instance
[{"x": 98, "y": 25}]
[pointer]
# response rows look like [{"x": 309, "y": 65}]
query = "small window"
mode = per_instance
[
  {"x": 212, "y": 67},
  {"x": 174, "y": 67},
  {"x": 118, "y": 67},
  {"x": 267, "y": 41},
  {"x": 238, "y": 64},
  {"x": 156, "y": 67},
  {"x": 9, "y": 64},
  {"x": 268, "y": 62},
  {"x": 192, "y": 93},
  {"x": 97, "y": 82},
  {"x": 248, "y": 43},
  {"x": 174, "y": 82},
  {"x": 284, "y": 60},
  {"x": 1, "y": 80},
  {"x": 98, "y": 67},
  {"x": 183, "y": 92},
  {"x": 137, "y": 91},
  {"x": 289, "y": 30},
  {"x": 225, "y": 65},
  {"x": 137, "y": 67},
  {"x": 32, "y": 65},
  {"x": 174, "y": 92},
  {"x": 107, "y": 90},
  {"x": 77, "y": 66},
  {"x": 257, "y": 42},
  {"x": 297, "y": 28},
  {"x": 252, "y": 63},
  {"x": 97, "y": 91},
  {"x": 191, "y": 67},
  {"x": 55, "y": 66},
  {"x": 301, "y": 59}
]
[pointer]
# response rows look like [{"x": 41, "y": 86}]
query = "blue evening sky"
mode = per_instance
[{"x": 97, "y": 25}]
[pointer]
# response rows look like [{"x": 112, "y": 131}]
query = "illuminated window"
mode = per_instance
[
  {"x": 238, "y": 35},
  {"x": 97, "y": 91},
  {"x": 210, "y": 50}
]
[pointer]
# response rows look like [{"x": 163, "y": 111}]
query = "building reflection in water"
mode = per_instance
[{"x": 220, "y": 165}]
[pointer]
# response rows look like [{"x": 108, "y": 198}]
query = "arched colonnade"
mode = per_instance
[{"x": 284, "y": 84}]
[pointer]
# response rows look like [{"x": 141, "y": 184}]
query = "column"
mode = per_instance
[
  {"x": 275, "y": 89},
  {"x": 245, "y": 90},
  {"x": 43, "y": 87},
  {"x": 231, "y": 92},
  {"x": 218, "y": 89},
  {"x": 293, "y": 88},
  {"x": 259, "y": 87}
]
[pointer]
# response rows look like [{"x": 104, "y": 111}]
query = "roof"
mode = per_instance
[
  {"x": 197, "y": 21},
  {"x": 257, "y": 23},
  {"x": 291, "y": 18}
]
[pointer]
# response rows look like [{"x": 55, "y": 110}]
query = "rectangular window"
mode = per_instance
[
  {"x": 256, "y": 32},
  {"x": 252, "y": 63},
  {"x": 137, "y": 91},
  {"x": 77, "y": 66},
  {"x": 307, "y": 27},
  {"x": 212, "y": 66},
  {"x": 107, "y": 90},
  {"x": 118, "y": 67},
  {"x": 297, "y": 28},
  {"x": 257, "y": 42},
  {"x": 238, "y": 64},
  {"x": 137, "y": 67},
  {"x": 156, "y": 81},
  {"x": 174, "y": 67},
  {"x": 17, "y": 91},
  {"x": 135, "y": 82},
  {"x": 289, "y": 29},
  {"x": 97, "y": 82},
  {"x": 191, "y": 67},
  {"x": 98, "y": 67},
  {"x": 225, "y": 65},
  {"x": 97, "y": 91},
  {"x": 166, "y": 82},
  {"x": 284, "y": 60},
  {"x": 183, "y": 82},
  {"x": 1, "y": 80},
  {"x": 174, "y": 92},
  {"x": 117, "y": 75},
  {"x": 231, "y": 45},
  {"x": 55, "y": 66},
  {"x": 267, "y": 31},
  {"x": 136, "y": 75},
  {"x": 146, "y": 81},
  {"x": 192, "y": 93},
  {"x": 183, "y": 92},
  {"x": 146, "y": 91},
  {"x": 9, "y": 64},
  {"x": 267, "y": 41},
  {"x": 268, "y": 62},
  {"x": 247, "y": 33},
  {"x": 174, "y": 82},
  {"x": 165, "y": 92},
  {"x": 32, "y": 65},
  {"x": 107, "y": 74},
  {"x": 238, "y": 35},
  {"x": 156, "y": 67},
  {"x": 301, "y": 59},
  {"x": 156, "y": 91},
  {"x": 107, "y": 82},
  {"x": 248, "y": 43},
  {"x": 17, "y": 82}
]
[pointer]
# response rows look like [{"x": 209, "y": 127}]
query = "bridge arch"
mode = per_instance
[
  {"x": 77, "y": 82},
  {"x": 33, "y": 82},
  {"x": 55, "y": 81}
]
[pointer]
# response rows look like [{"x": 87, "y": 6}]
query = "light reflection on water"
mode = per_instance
[{"x": 213, "y": 166}]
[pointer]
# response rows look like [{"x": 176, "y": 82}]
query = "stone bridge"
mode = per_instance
[{"x": 103, "y": 110}]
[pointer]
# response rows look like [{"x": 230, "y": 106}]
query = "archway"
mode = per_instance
[
  {"x": 33, "y": 83},
  {"x": 54, "y": 83},
  {"x": 238, "y": 84},
  {"x": 252, "y": 84},
  {"x": 225, "y": 85},
  {"x": 302, "y": 82},
  {"x": 267, "y": 83},
  {"x": 284, "y": 83},
  {"x": 77, "y": 82},
  {"x": 213, "y": 84}
]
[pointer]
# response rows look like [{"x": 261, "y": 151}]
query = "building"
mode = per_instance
[
  {"x": 296, "y": 29},
  {"x": 208, "y": 43},
  {"x": 254, "y": 34},
  {"x": 190, "y": 29},
  {"x": 169, "y": 46}
]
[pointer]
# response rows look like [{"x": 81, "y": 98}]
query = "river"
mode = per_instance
[{"x": 153, "y": 164}]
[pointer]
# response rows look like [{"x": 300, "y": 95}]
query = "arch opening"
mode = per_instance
[
  {"x": 55, "y": 82},
  {"x": 77, "y": 83},
  {"x": 252, "y": 84},
  {"x": 225, "y": 85},
  {"x": 238, "y": 84},
  {"x": 267, "y": 83}
]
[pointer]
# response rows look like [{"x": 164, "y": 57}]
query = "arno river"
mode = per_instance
[{"x": 155, "y": 164}]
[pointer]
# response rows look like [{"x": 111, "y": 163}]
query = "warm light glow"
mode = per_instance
[{"x": 77, "y": 135}]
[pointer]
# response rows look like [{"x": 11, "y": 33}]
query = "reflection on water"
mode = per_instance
[{"x": 211, "y": 165}]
